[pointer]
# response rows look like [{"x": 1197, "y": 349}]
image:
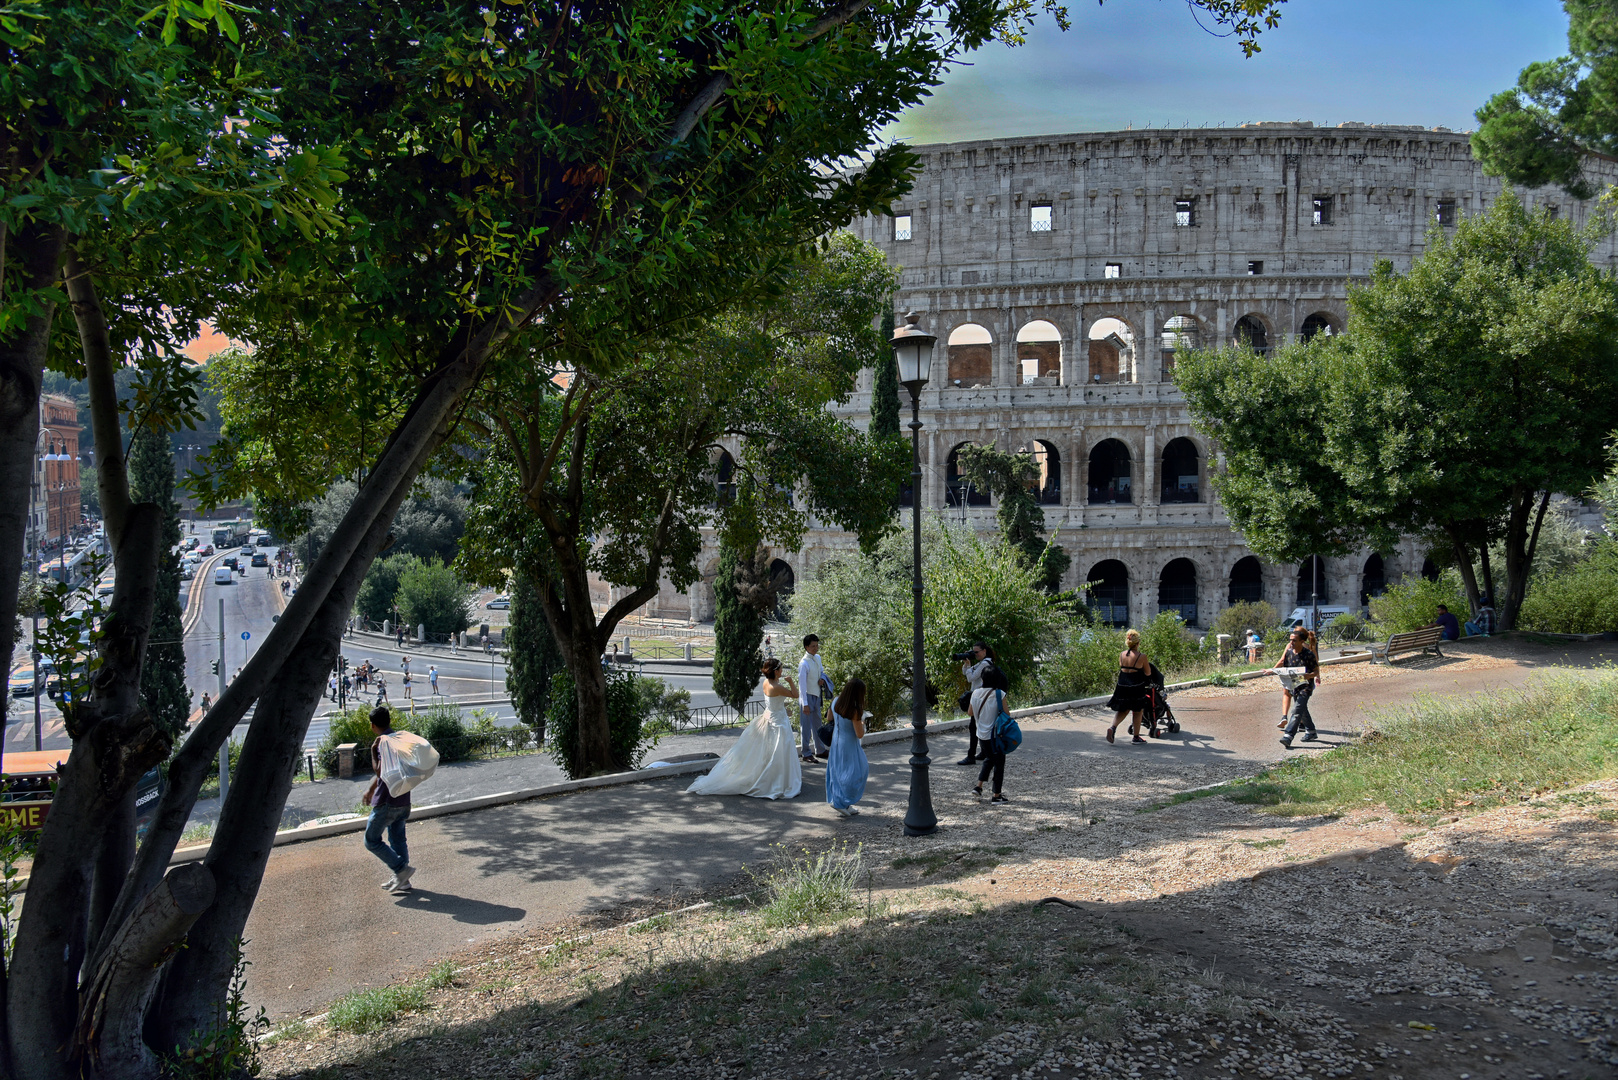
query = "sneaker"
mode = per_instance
[
  {"x": 967, "y": 760},
  {"x": 853, "y": 811},
  {"x": 1286, "y": 741},
  {"x": 391, "y": 884},
  {"x": 1310, "y": 736},
  {"x": 403, "y": 877},
  {"x": 999, "y": 798},
  {"x": 843, "y": 810}
]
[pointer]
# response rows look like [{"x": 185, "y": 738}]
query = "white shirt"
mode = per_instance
[
  {"x": 985, "y": 711},
  {"x": 810, "y": 676},
  {"x": 974, "y": 673}
]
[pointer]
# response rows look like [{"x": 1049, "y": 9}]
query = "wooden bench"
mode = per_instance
[{"x": 1426, "y": 639}]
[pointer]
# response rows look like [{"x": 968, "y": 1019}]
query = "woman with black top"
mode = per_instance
[
  {"x": 1300, "y": 655},
  {"x": 986, "y": 703},
  {"x": 1129, "y": 695}
]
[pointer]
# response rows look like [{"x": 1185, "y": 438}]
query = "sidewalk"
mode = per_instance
[{"x": 580, "y": 856}]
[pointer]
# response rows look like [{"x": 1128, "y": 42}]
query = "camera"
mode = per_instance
[{"x": 967, "y": 655}]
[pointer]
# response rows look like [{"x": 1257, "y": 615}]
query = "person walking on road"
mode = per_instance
[
  {"x": 432, "y": 678},
  {"x": 812, "y": 680},
  {"x": 1300, "y": 655},
  {"x": 381, "y": 688},
  {"x": 388, "y": 813},
  {"x": 1129, "y": 693}
]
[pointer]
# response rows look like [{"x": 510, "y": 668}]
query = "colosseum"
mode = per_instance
[{"x": 1062, "y": 274}]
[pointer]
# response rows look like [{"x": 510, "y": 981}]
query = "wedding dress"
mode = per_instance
[{"x": 763, "y": 763}]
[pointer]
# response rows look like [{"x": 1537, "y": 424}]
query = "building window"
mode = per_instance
[
  {"x": 1185, "y": 213},
  {"x": 1255, "y": 267},
  {"x": 970, "y": 277},
  {"x": 901, "y": 226},
  {"x": 1446, "y": 211},
  {"x": 1113, "y": 270},
  {"x": 1039, "y": 218},
  {"x": 1323, "y": 209},
  {"x": 1554, "y": 212}
]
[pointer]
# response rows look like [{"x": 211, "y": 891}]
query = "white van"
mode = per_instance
[
  {"x": 221, "y": 575},
  {"x": 1306, "y": 615}
]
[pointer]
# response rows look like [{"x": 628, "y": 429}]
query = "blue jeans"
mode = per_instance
[
  {"x": 394, "y": 853},
  {"x": 809, "y": 720}
]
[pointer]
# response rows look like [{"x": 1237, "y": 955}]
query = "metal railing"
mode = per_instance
[{"x": 709, "y": 717}]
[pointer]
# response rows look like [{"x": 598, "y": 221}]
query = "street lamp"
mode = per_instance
[{"x": 913, "y": 352}]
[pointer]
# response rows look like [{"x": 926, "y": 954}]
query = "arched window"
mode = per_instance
[
  {"x": 1246, "y": 581},
  {"x": 1112, "y": 351},
  {"x": 783, "y": 581},
  {"x": 1179, "y": 336},
  {"x": 1373, "y": 580},
  {"x": 1177, "y": 590},
  {"x": 1429, "y": 569},
  {"x": 957, "y": 489},
  {"x": 1318, "y": 323},
  {"x": 1312, "y": 581},
  {"x": 1180, "y": 482},
  {"x": 971, "y": 356},
  {"x": 724, "y": 478},
  {"x": 1108, "y": 595},
  {"x": 1039, "y": 354},
  {"x": 1047, "y": 486},
  {"x": 1109, "y": 473},
  {"x": 1250, "y": 332}
]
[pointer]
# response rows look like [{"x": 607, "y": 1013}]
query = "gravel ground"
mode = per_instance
[{"x": 1202, "y": 939}]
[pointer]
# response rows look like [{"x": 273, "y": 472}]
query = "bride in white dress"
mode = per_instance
[{"x": 764, "y": 761}]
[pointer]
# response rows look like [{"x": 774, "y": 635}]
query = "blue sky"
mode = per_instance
[{"x": 1145, "y": 62}]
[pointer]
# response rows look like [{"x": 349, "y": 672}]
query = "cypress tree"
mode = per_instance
[
  {"x": 738, "y": 630},
  {"x": 163, "y": 690},
  {"x": 885, "y": 391},
  {"x": 533, "y": 658}
]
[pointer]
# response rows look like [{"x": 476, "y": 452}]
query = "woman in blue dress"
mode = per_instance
[{"x": 846, "y": 766}]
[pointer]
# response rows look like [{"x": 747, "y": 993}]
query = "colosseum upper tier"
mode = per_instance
[{"x": 1062, "y": 274}]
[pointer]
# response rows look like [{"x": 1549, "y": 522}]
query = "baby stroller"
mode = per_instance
[{"x": 1158, "y": 712}]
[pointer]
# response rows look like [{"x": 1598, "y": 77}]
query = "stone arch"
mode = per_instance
[
  {"x": 724, "y": 478},
  {"x": 1112, "y": 351},
  {"x": 1373, "y": 578},
  {"x": 1253, "y": 330},
  {"x": 1180, "y": 334},
  {"x": 971, "y": 356},
  {"x": 1047, "y": 486},
  {"x": 1181, "y": 475},
  {"x": 1039, "y": 354},
  {"x": 1429, "y": 569},
  {"x": 1246, "y": 580},
  {"x": 1313, "y": 582},
  {"x": 1321, "y": 322},
  {"x": 1177, "y": 589},
  {"x": 1108, "y": 596},
  {"x": 955, "y": 488},
  {"x": 785, "y": 582},
  {"x": 1109, "y": 471}
]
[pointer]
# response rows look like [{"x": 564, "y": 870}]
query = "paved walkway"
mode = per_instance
[{"x": 491, "y": 872}]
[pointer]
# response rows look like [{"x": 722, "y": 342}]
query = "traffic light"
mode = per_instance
[
  {"x": 342, "y": 665},
  {"x": 213, "y": 667}
]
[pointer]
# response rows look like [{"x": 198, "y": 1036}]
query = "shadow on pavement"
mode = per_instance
[{"x": 460, "y": 908}]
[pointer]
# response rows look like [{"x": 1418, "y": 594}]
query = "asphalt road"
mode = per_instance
[{"x": 542, "y": 862}]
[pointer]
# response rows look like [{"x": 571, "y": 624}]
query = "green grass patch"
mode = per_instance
[
  {"x": 1277, "y": 842},
  {"x": 1448, "y": 754},
  {"x": 961, "y": 862},
  {"x": 813, "y": 888},
  {"x": 365, "y": 1011},
  {"x": 1186, "y": 796}
]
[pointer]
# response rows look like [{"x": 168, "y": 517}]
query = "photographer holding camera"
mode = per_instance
[{"x": 975, "y": 662}]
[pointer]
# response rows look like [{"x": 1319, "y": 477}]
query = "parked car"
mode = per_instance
[
  {"x": 1306, "y": 615},
  {"x": 499, "y": 603},
  {"x": 260, "y": 559},
  {"x": 222, "y": 575},
  {"x": 21, "y": 683}
]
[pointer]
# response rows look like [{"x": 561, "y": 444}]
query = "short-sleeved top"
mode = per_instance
[
  {"x": 1304, "y": 658},
  {"x": 1451, "y": 625},
  {"x": 382, "y": 798}
]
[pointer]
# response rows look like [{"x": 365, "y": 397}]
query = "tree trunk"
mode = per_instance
[
  {"x": 1463, "y": 562},
  {"x": 116, "y": 852},
  {"x": 1518, "y": 559},
  {"x": 1488, "y": 569},
  {"x": 110, "y": 1038},
  {"x": 22, "y": 370},
  {"x": 194, "y": 990}
]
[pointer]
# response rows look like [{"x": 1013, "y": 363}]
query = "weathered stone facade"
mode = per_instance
[{"x": 1124, "y": 246}]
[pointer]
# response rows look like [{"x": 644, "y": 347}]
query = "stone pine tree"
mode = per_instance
[
  {"x": 534, "y": 657},
  {"x": 738, "y": 630},
  {"x": 162, "y": 678},
  {"x": 1009, "y": 477}
]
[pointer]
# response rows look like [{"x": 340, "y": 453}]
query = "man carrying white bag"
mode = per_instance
[{"x": 400, "y": 760}]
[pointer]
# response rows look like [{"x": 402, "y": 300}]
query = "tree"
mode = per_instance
[
  {"x": 379, "y": 593},
  {"x": 1011, "y": 478},
  {"x": 1560, "y": 110},
  {"x": 759, "y": 379},
  {"x": 163, "y": 691},
  {"x": 532, "y": 658},
  {"x": 738, "y": 627},
  {"x": 1462, "y": 395},
  {"x": 433, "y": 595},
  {"x": 885, "y": 385}
]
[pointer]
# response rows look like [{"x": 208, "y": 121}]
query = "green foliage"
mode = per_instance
[
  {"x": 363, "y": 1012},
  {"x": 738, "y": 630},
  {"x": 1582, "y": 598},
  {"x": 885, "y": 384},
  {"x": 666, "y": 709},
  {"x": 431, "y": 594},
  {"x": 380, "y": 588},
  {"x": 1350, "y": 627},
  {"x": 1245, "y": 615},
  {"x": 812, "y": 889},
  {"x": 532, "y": 656},
  {"x": 163, "y": 690},
  {"x": 1165, "y": 642},
  {"x": 429, "y": 524},
  {"x": 1012, "y": 478},
  {"x": 354, "y": 726},
  {"x": 629, "y": 708},
  {"x": 1083, "y": 664},
  {"x": 1413, "y": 603},
  {"x": 229, "y": 1051},
  {"x": 17, "y": 847}
]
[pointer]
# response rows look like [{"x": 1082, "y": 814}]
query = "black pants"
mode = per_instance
[
  {"x": 993, "y": 761},
  {"x": 972, "y": 747},
  {"x": 1299, "y": 717}
]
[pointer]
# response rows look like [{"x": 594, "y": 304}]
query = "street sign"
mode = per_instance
[{"x": 245, "y": 635}]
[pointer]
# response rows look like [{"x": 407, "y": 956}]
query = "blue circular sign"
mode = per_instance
[{"x": 245, "y": 635}]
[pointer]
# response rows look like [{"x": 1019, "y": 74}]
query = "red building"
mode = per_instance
[{"x": 56, "y": 476}]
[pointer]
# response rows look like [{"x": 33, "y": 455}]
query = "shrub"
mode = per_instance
[
  {"x": 1166, "y": 644},
  {"x": 441, "y": 725},
  {"x": 1239, "y": 618},
  {"x": 1348, "y": 627},
  {"x": 432, "y": 595},
  {"x": 1580, "y": 599},
  {"x": 1083, "y": 665},
  {"x": 1413, "y": 603},
  {"x": 627, "y": 714},
  {"x": 381, "y": 586},
  {"x": 354, "y": 726},
  {"x": 666, "y": 708}
]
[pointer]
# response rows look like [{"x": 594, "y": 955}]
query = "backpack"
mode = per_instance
[
  {"x": 406, "y": 760},
  {"x": 1007, "y": 735}
]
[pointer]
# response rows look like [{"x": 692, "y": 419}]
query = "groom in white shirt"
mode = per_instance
[{"x": 812, "y": 680}]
